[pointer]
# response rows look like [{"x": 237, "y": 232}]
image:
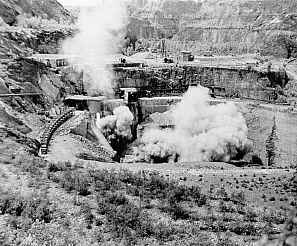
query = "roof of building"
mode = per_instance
[{"x": 84, "y": 98}]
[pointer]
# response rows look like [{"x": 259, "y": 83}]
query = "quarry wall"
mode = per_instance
[
  {"x": 221, "y": 27},
  {"x": 28, "y": 76},
  {"x": 227, "y": 82}
]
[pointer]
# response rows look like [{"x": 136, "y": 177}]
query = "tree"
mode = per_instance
[{"x": 271, "y": 144}]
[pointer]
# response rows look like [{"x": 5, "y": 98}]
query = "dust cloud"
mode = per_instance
[
  {"x": 101, "y": 29},
  {"x": 202, "y": 132},
  {"x": 118, "y": 124}
]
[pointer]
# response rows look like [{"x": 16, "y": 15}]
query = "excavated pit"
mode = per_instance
[
  {"x": 155, "y": 89},
  {"x": 156, "y": 112}
]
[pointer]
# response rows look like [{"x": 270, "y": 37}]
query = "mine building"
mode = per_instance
[{"x": 187, "y": 56}]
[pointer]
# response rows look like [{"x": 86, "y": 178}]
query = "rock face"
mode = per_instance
[
  {"x": 222, "y": 27},
  {"x": 25, "y": 42},
  {"x": 48, "y": 9},
  {"x": 234, "y": 82},
  {"x": 8, "y": 119},
  {"x": 13, "y": 128},
  {"x": 34, "y": 77}
]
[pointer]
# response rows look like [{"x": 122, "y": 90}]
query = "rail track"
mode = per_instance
[{"x": 49, "y": 132}]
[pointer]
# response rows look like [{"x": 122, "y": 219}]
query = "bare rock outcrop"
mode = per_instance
[
  {"x": 220, "y": 27},
  {"x": 49, "y": 9}
]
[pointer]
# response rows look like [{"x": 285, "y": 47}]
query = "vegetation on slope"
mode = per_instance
[{"x": 65, "y": 204}]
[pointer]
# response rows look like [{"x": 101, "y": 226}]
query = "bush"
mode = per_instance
[
  {"x": 247, "y": 228},
  {"x": 178, "y": 194},
  {"x": 109, "y": 201},
  {"x": 105, "y": 180},
  {"x": 124, "y": 218},
  {"x": 58, "y": 167},
  {"x": 177, "y": 211},
  {"x": 89, "y": 217},
  {"x": 227, "y": 207},
  {"x": 163, "y": 230},
  {"x": 156, "y": 186},
  {"x": 252, "y": 214},
  {"x": 182, "y": 193},
  {"x": 31, "y": 164},
  {"x": 71, "y": 180},
  {"x": 222, "y": 194},
  {"x": 197, "y": 195},
  {"x": 238, "y": 197},
  {"x": 35, "y": 207},
  {"x": 226, "y": 241}
]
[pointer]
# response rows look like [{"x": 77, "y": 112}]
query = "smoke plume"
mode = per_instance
[
  {"x": 202, "y": 132},
  {"x": 100, "y": 31},
  {"x": 118, "y": 124}
]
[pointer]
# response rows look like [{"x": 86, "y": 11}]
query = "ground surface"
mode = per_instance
[
  {"x": 264, "y": 187},
  {"x": 254, "y": 182},
  {"x": 95, "y": 203}
]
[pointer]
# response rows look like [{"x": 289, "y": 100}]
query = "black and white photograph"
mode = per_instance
[{"x": 148, "y": 122}]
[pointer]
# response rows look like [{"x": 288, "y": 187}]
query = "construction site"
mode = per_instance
[
  {"x": 148, "y": 122},
  {"x": 150, "y": 88}
]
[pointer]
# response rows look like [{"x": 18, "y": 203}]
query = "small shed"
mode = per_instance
[
  {"x": 127, "y": 94},
  {"x": 186, "y": 55}
]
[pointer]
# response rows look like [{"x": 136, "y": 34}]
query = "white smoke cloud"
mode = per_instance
[
  {"x": 101, "y": 29},
  {"x": 202, "y": 132},
  {"x": 124, "y": 121},
  {"x": 118, "y": 124}
]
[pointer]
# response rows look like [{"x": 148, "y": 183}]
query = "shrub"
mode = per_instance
[
  {"x": 105, "y": 180},
  {"x": 222, "y": 194},
  {"x": 72, "y": 180},
  {"x": 34, "y": 207},
  {"x": 178, "y": 194},
  {"x": 58, "y": 167},
  {"x": 32, "y": 165},
  {"x": 157, "y": 186},
  {"x": 197, "y": 195},
  {"x": 89, "y": 217},
  {"x": 182, "y": 193},
  {"x": 109, "y": 200},
  {"x": 124, "y": 218},
  {"x": 151, "y": 186},
  {"x": 227, "y": 207},
  {"x": 163, "y": 230},
  {"x": 238, "y": 197},
  {"x": 177, "y": 211},
  {"x": 252, "y": 214},
  {"x": 246, "y": 228},
  {"x": 226, "y": 241}
]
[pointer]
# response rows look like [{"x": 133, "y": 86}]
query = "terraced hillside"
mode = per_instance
[{"x": 225, "y": 26}]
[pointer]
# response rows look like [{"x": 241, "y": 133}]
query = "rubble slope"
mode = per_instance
[{"x": 48, "y": 9}]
